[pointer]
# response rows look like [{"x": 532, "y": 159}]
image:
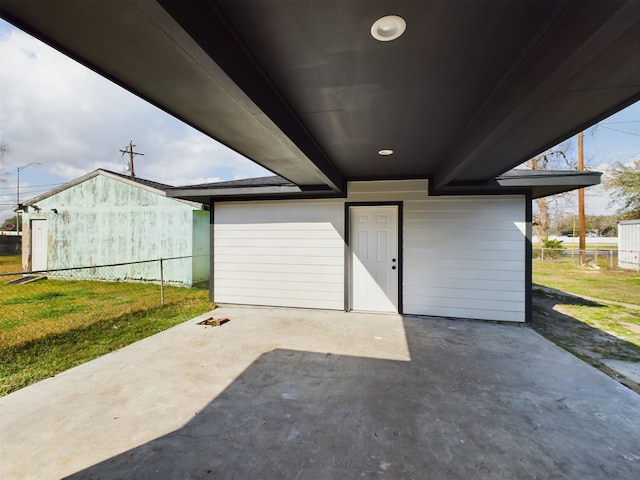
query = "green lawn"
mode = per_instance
[
  {"x": 616, "y": 291},
  {"x": 49, "y": 326},
  {"x": 9, "y": 264},
  {"x": 613, "y": 285}
]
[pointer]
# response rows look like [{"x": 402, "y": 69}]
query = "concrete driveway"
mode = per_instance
[{"x": 299, "y": 394}]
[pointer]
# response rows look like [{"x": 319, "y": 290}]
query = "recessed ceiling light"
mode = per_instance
[
  {"x": 385, "y": 152},
  {"x": 388, "y": 28}
]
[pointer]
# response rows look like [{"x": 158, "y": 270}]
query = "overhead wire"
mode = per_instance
[{"x": 620, "y": 131}]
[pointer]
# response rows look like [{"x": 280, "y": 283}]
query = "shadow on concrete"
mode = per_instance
[{"x": 466, "y": 406}]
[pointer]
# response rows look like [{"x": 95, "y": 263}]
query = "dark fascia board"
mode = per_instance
[
  {"x": 181, "y": 192},
  {"x": 538, "y": 183},
  {"x": 210, "y": 194},
  {"x": 541, "y": 183},
  {"x": 551, "y": 182}
]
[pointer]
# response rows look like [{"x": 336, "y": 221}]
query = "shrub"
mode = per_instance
[
  {"x": 552, "y": 247},
  {"x": 552, "y": 243}
]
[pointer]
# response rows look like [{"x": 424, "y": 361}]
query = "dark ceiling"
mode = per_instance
[{"x": 472, "y": 88}]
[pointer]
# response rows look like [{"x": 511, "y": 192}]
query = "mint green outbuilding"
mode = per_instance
[{"x": 106, "y": 218}]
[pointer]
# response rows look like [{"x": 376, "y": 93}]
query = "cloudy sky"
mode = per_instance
[{"x": 58, "y": 113}]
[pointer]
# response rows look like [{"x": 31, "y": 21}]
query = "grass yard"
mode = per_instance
[
  {"x": 9, "y": 264},
  {"x": 52, "y": 325},
  {"x": 615, "y": 310},
  {"x": 613, "y": 285}
]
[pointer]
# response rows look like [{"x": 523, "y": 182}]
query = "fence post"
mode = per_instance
[
  {"x": 542, "y": 253},
  {"x": 610, "y": 258},
  {"x": 161, "y": 282},
  {"x": 595, "y": 257}
]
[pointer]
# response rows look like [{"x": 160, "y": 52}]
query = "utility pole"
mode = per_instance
[
  {"x": 19, "y": 169},
  {"x": 129, "y": 149},
  {"x": 582, "y": 246}
]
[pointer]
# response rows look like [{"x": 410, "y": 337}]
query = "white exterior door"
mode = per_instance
[
  {"x": 38, "y": 245},
  {"x": 374, "y": 258}
]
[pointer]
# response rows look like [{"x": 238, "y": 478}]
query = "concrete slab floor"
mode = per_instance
[
  {"x": 299, "y": 394},
  {"x": 628, "y": 369}
]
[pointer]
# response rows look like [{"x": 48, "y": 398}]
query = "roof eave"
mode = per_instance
[
  {"x": 251, "y": 193},
  {"x": 552, "y": 184},
  {"x": 113, "y": 176},
  {"x": 539, "y": 183}
]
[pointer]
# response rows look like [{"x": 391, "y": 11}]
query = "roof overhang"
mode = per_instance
[
  {"x": 546, "y": 183},
  {"x": 469, "y": 91},
  {"x": 537, "y": 183},
  {"x": 266, "y": 188}
]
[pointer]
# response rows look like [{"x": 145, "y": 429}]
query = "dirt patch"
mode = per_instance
[
  {"x": 552, "y": 320},
  {"x": 631, "y": 326}
]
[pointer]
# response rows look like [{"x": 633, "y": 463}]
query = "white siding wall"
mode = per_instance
[
  {"x": 463, "y": 256},
  {"x": 280, "y": 253}
]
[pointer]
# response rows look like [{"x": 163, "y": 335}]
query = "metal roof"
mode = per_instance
[{"x": 149, "y": 185}]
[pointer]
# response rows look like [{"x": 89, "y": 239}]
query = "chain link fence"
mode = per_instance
[
  {"x": 100, "y": 290},
  {"x": 600, "y": 257},
  {"x": 55, "y": 319}
]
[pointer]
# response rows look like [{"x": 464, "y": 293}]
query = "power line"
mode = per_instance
[
  {"x": 26, "y": 190},
  {"x": 621, "y": 131},
  {"x": 34, "y": 186}
]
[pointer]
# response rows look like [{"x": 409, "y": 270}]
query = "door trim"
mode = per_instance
[{"x": 347, "y": 249}]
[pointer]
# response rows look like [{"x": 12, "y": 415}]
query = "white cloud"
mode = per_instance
[{"x": 57, "y": 112}]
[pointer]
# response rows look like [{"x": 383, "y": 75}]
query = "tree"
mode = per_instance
[
  {"x": 9, "y": 224},
  {"x": 603, "y": 225},
  {"x": 624, "y": 183},
  {"x": 547, "y": 160}
]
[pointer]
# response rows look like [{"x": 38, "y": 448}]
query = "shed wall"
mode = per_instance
[
  {"x": 463, "y": 256},
  {"x": 200, "y": 251},
  {"x": 103, "y": 221},
  {"x": 629, "y": 245}
]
